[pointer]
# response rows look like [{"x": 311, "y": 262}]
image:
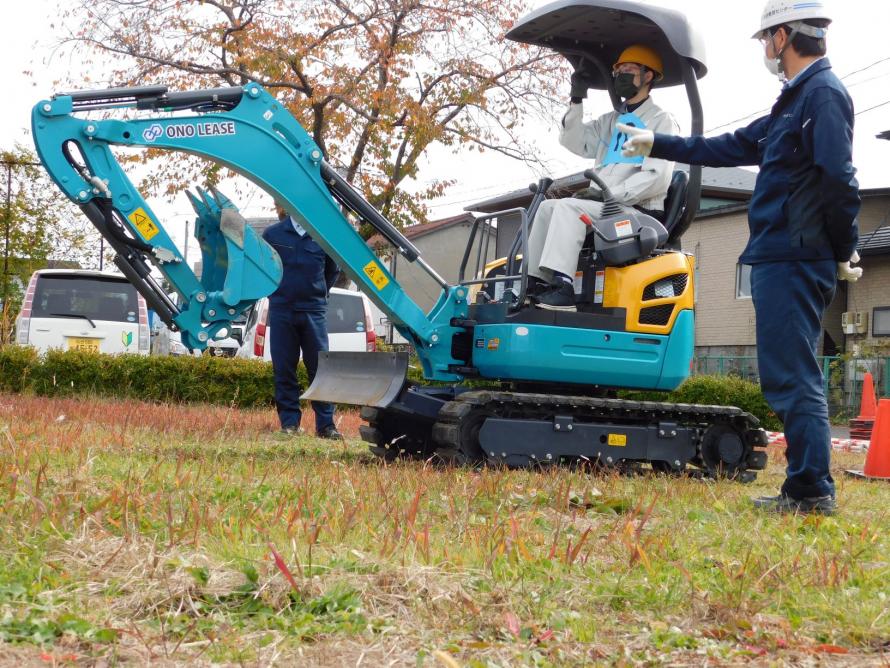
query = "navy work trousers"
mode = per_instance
[
  {"x": 790, "y": 299},
  {"x": 294, "y": 333}
]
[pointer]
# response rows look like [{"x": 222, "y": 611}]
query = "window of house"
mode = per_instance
[
  {"x": 743, "y": 281},
  {"x": 880, "y": 321}
]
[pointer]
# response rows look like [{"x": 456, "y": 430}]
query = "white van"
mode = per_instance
[
  {"x": 350, "y": 327},
  {"x": 83, "y": 310}
]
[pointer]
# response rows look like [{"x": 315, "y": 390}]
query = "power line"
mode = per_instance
[
  {"x": 874, "y": 107},
  {"x": 760, "y": 111},
  {"x": 867, "y": 67}
]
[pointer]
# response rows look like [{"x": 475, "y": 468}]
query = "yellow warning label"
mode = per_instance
[
  {"x": 143, "y": 223},
  {"x": 375, "y": 273},
  {"x": 619, "y": 440}
]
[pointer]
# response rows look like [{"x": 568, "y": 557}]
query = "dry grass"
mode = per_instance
[{"x": 136, "y": 533}]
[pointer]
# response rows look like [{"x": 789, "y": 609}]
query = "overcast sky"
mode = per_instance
[{"x": 736, "y": 86}]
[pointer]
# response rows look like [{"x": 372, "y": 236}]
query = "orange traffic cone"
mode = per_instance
[
  {"x": 877, "y": 462},
  {"x": 861, "y": 427}
]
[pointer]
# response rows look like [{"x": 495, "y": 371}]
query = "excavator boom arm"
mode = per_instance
[{"x": 250, "y": 132}]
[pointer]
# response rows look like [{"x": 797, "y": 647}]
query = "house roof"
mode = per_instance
[
  {"x": 415, "y": 231},
  {"x": 875, "y": 243},
  {"x": 717, "y": 182}
]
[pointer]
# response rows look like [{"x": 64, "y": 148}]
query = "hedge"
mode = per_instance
[
  {"x": 248, "y": 383},
  {"x": 243, "y": 383},
  {"x": 717, "y": 391}
]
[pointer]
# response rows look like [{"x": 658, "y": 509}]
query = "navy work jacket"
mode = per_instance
[
  {"x": 806, "y": 197},
  {"x": 308, "y": 273}
]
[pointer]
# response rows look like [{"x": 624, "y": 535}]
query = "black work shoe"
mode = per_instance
[
  {"x": 330, "y": 432},
  {"x": 290, "y": 431},
  {"x": 820, "y": 505},
  {"x": 560, "y": 297}
]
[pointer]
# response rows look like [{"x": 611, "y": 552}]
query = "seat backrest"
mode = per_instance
[{"x": 675, "y": 200}]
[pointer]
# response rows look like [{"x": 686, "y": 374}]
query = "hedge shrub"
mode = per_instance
[
  {"x": 717, "y": 391},
  {"x": 244, "y": 383}
]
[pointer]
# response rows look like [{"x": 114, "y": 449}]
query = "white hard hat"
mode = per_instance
[{"x": 779, "y": 12}]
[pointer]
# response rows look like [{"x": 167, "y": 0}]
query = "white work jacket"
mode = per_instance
[{"x": 642, "y": 183}]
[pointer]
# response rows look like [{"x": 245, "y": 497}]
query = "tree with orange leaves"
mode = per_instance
[{"x": 375, "y": 82}]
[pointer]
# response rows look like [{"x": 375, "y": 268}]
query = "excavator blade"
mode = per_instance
[{"x": 359, "y": 379}]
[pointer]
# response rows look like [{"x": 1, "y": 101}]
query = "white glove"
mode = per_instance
[
  {"x": 639, "y": 142},
  {"x": 847, "y": 273}
]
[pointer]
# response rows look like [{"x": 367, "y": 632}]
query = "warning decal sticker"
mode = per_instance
[
  {"x": 375, "y": 273},
  {"x": 143, "y": 223}
]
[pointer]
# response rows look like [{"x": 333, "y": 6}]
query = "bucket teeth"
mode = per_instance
[
  {"x": 221, "y": 200},
  {"x": 195, "y": 201}
]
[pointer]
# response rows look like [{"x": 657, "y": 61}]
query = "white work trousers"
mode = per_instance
[{"x": 557, "y": 236}]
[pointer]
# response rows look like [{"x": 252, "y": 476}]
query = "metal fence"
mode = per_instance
[{"x": 843, "y": 377}]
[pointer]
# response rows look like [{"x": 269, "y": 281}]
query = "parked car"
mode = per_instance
[
  {"x": 349, "y": 326},
  {"x": 84, "y": 310}
]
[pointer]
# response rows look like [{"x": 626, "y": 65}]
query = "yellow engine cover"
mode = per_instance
[{"x": 661, "y": 282}]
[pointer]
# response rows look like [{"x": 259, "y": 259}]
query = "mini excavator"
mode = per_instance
[{"x": 553, "y": 374}]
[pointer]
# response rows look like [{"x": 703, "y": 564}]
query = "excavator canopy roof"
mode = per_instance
[{"x": 603, "y": 28}]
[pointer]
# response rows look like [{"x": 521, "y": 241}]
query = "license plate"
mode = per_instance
[{"x": 78, "y": 343}]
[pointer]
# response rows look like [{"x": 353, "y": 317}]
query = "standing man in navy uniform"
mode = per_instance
[
  {"x": 297, "y": 320},
  {"x": 804, "y": 233}
]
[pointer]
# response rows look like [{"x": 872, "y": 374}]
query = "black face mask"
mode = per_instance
[{"x": 624, "y": 85}]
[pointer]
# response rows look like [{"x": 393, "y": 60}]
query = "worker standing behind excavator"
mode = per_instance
[
  {"x": 559, "y": 229},
  {"x": 298, "y": 320}
]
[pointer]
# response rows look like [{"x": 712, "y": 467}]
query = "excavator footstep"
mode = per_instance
[{"x": 358, "y": 378}]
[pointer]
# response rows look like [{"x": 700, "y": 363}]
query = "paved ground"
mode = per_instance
[{"x": 840, "y": 431}]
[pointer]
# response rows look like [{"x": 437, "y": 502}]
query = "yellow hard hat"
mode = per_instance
[{"x": 642, "y": 55}]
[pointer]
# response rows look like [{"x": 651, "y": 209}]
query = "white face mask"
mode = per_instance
[{"x": 773, "y": 65}]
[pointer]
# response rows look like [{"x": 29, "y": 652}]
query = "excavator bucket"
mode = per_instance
[
  {"x": 359, "y": 379},
  {"x": 236, "y": 260}
]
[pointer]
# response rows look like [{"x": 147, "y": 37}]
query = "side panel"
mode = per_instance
[
  {"x": 556, "y": 354},
  {"x": 588, "y": 357}
]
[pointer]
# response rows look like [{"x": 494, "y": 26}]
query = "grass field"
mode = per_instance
[{"x": 193, "y": 535}]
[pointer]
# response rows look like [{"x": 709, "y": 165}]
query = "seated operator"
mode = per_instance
[{"x": 558, "y": 230}]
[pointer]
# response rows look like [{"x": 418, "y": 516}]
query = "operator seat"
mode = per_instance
[
  {"x": 620, "y": 238},
  {"x": 675, "y": 200}
]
